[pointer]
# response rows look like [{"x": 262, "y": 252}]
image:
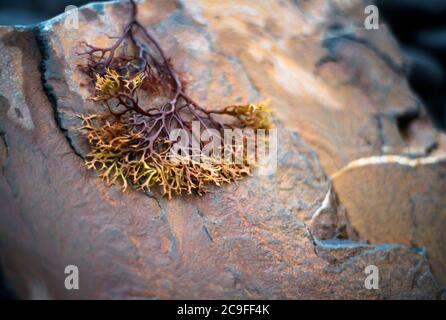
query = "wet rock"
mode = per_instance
[{"x": 265, "y": 237}]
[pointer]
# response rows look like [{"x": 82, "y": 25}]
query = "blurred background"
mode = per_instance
[{"x": 419, "y": 26}]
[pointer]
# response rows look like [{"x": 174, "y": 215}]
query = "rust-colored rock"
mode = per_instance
[{"x": 336, "y": 97}]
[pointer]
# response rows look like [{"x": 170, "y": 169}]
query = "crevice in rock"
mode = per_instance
[
  {"x": 207, "y": 233},
  {"x": 414, "y": 225},
  {"x": 419, "y": 137},
  {"x": 312, "y": 238},
  {"x": 162, "y": 204},
  {"x": 326, "y": 204},
  {"x": 204, "y": 224},
  {"x": 410, "y": 119},
  {"x": 389, "y": 159},
  {"x": 44, "y": 51},
  {"x": 381, "y": 134},
  {"x": 6, "y": 289},
  {"x": 330, "y": 221},
  {"x": 404, "y": 120},
  {"x": 4, "y": 148},
  {"x": 337, "y": 252},
  {"x": 154, "y": 197}
]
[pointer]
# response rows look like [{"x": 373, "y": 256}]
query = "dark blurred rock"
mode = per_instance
[
  {"x": 424, "y": 69},
  {"x": 284, "y": 236},
  {"x": 434, "y": 39},
  {"x": 420, "y": 25},
  {"x": 416, "y": 6},
  {"x": 18, "y": 17},
  {"x": 427, "y": 76}
]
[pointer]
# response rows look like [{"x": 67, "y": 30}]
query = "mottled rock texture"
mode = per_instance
[{"x": 338, "y": 94}]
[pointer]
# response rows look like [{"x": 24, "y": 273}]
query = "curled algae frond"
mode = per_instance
[
  {"x": 251, "y": 115},
  {"x": 132, "y": 142}
]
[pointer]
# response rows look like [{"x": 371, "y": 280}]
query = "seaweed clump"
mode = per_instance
[{"x": 131, "y": 141}]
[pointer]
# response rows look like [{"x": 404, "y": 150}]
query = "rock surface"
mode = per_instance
[
  {"x": 339, "y": 95},
  {"x": 412, "y": 213}
]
